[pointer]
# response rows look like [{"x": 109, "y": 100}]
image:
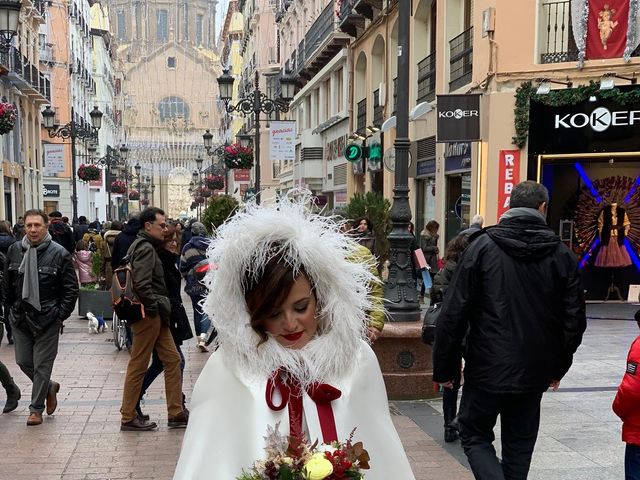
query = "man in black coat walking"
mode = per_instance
[
  {"x": 516, "y": 296},
  {"x": 124, "y": 239}
]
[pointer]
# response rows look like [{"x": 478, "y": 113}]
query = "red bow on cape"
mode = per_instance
[{"x": 290, "y": 390}]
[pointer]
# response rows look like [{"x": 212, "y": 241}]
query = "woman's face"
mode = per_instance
[
  {"x": 363, "y": 226},
  {"x": 171, "y": 244},
  {"x": 294, "y": 323}
]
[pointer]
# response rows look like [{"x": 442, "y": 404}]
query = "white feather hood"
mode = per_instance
[{"x": 244, "y": 244}]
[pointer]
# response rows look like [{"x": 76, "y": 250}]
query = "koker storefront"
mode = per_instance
[{"x": 588, "y": 156}]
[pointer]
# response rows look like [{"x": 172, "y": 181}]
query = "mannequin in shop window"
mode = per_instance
[{"x": 613, "y": 227}]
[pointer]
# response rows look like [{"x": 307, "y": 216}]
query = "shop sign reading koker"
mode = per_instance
[
  {"x": 599, "y": 120},
  {"x": 458, "y": 118}
]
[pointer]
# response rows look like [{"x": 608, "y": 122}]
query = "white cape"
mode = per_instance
[{"x": 229, "y": 419}]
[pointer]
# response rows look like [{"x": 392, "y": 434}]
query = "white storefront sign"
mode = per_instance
[
  {"x": 53, "y": 159},
  {"x": 282, "y": 140}
]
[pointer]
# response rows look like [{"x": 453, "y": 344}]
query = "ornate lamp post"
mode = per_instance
[
  {"x": 400, "y": 289},
  {"x": 256, "y": 103},
  {"x": 72, "y": 130},
  {"x": 217, "y": 152},
  {"x": 114, "y": 158},
  {"x": 9, "y": 15}
]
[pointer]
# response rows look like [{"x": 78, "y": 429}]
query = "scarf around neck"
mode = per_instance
[{"x": 29, "y": 269}]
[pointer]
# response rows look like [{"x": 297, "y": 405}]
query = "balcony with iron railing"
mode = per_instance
[
  {"x": 378, "y": 110},
  {"x": 351, "y": 21},
  {"x": 427, "y": 79},
  {"x": 461, "y": 59},
  {"x": 361, "y": 119},
  {"x": 25, "y": 76}
]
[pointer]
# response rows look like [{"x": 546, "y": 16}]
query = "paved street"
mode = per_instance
[{"x": 579, "y": 439}]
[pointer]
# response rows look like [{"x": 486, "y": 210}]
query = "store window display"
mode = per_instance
[{"x": 613, "y": 227}]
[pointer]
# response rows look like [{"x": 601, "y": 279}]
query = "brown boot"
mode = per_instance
[
  {"x": 137, "y": 425},
  {"x": 52, "y": 397},
  {"x": 180, "y": 420},
  {"x": 35, "y": 418}
]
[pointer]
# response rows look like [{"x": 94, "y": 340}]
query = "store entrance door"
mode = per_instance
[{"x": 458, "y": 204}]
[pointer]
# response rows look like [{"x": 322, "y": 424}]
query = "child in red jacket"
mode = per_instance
[{"x": 627, "y": 406}]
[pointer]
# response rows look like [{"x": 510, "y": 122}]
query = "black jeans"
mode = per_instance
[
  {"x": 450, "y": 400},
  {"x": 632, "y": 462},
  {"x": 519, "y": 421}
]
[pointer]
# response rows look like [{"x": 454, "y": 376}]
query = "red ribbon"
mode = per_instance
[{"x": 322, "y": 395}]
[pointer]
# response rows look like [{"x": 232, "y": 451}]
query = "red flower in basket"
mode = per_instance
[
  {"x": 214, "y": 182},
  {"x": 134, "y": 195},
  {"x": 200, "y": 199},
  {"x": 118, "y": 186},
  {"x": 205, "y": 192},
  {"x": 88, "y": 172},
  {"x": 144, "y": 201},
  {"x": 237, "y": 156},
  {"x": 7, "y": 117}
]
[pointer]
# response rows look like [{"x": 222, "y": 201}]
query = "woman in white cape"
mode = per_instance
[{"x": 285, "y": 298}]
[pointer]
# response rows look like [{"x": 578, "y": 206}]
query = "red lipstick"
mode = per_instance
[{"x": 293, "y": 336}]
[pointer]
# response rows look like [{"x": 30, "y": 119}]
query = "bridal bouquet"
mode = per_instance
[{"x": 292, "y": 459}]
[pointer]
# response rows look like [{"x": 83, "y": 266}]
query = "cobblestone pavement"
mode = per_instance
[
  {"x": 579, "y": 435},
  {"x": 82, "y": 440}
]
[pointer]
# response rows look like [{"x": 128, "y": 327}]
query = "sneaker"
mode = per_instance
[
  {"x": 137, "y": 425},
  {"x": 202, "y": 343},
  {"x": 180, "y": 420}
]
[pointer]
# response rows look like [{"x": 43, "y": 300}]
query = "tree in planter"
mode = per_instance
[
  {"x": 376, "y": 208},
  {"x": 220, "y": 208}
]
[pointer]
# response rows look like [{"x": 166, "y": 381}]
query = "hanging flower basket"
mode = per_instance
[
  {"x": 118, "y": 186},
  {"x": 144, "y": 201},
  {"x": 88, "y": 172},
  {"x": 205, "y": 192},
  {"x": 214, "y": 182},
  {"x": 200, "y": 199},
  {"x": 194, "y": 205},
  {"x": 7, "y": 117},
  {"x": 134, "y": 195},
  {"x": 236, "y": 156}
]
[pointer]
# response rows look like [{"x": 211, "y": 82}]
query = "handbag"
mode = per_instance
[{"x": 429, "y": 323}]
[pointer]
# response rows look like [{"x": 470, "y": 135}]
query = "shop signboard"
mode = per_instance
[
  {"x": 51, "y": 190},
  {"x": 457, "y": 157},
  {"x": 426, "y": 168},
  {"x": 53, "y": 159},
  {"x": 241, "y": 175},
  {"x": 339, "y": 198},
  {"x": 458, "y": 118},
  {"x": 282, "y": 138},
  {"x": 508, "y": 177},
  {"x": 589, "y": 126}
]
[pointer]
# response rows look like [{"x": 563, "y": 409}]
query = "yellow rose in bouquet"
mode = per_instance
[{"x": 318, "y": 467}]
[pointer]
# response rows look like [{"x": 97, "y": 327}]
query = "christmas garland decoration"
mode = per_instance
[{"x": 525, "y": 93}]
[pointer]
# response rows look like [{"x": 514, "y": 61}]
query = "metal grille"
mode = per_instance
[
  {"x": 340, "y": 174},
  {"x": 361, "y": 123},
  {"x": 461, "y": 59},
  {"x": 427, "y": 78},
  {"x": 559, "y": 45},
  {"x": 377, "y": 109},
  {"x": 312, "y": 153},
  {"x": 426, "y": 148}
]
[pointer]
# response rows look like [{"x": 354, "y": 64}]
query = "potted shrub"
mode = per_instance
[{"x": 91, "y": 297}]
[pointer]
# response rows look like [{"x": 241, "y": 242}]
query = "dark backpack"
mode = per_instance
[
  {"x": 126, "y": 303},
  {"x": 61, "y": 234}
]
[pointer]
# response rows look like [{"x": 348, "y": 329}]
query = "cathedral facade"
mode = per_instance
[{"x": 168, "y": 64}]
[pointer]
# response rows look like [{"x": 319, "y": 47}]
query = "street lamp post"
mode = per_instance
[
  {"x": 114, "y": 158},
  {"x": 9, "y": 22},
  {"x": 400, "y": 289},
  {"x": 217, "y": 152},
  {"x": 72, "y": 130},
  {"x": 256, "y": 103},
  {"x": 137, "y": 169}
]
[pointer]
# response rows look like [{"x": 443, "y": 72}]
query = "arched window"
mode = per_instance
[{"x": 171, "y": 107}]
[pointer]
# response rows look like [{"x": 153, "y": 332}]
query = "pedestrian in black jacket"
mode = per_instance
[
  {"x": 124, "y": 239},
  {"x": 517, "y": 292},
  {"x": 41, "y": 289},
  {"x": 6, "y": 240}
]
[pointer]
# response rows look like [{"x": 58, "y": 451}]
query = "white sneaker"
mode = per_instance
[{"x": 201, "y": 342}]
